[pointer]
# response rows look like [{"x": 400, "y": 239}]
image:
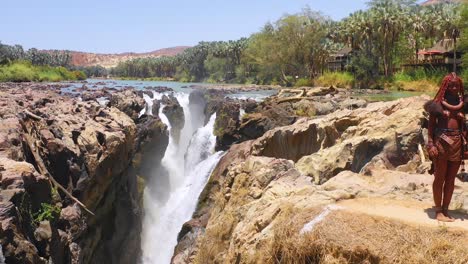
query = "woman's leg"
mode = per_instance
[
  {"x": 440, "y": 170},
  {"x": 449, "y": 186},
  {"x": 438, "y": 188}
]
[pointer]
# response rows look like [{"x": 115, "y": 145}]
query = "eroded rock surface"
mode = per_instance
[
  {"x": 276, "y": 111},
  {"x": 87, "y": 148},
  {"x": 264, "y": 192}
]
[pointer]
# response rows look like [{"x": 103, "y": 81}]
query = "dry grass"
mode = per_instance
[
  {"x": 352, "y": 238},
  {"x": 417, "y": 86},
  {"x": 337, "y": 79},
  {"x": 215, "y": 240}
]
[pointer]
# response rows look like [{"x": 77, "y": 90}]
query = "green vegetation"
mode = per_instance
[
  {"x": 463, "y": 45},
  {"x": 26, "y": 72},
  {"x": 337, "y": 79},
  {"x": 47, "y": 212},
  {"x": 418, "y": 80},
  {"x": 17, "y": 65},
  {"x": 91, "y": 71},
  {"x": 303, "y": 82},
  {"x": 293, "y": 51}
]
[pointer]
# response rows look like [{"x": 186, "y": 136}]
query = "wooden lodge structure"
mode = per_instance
[
  {"x": 441, "y": 55},
  {"x": 339, "y": 60}
]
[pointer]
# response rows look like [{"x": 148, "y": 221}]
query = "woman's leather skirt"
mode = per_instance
[{"x": 449, "y": 144}]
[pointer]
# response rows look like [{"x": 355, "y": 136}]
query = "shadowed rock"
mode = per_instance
[{"x": 175, "y": 115}]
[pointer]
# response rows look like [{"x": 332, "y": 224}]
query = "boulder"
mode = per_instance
[
  {"x": 175, "y": 115},
  {"x": 226, "y": 123},
  {"x": 129, "y": 102}
]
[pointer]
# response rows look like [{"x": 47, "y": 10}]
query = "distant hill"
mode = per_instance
[
  {"x": 111, "y": 60},
  {"x": 434, "y": 2}
]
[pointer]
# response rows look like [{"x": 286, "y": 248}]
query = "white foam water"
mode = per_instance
[
  {"x": 189, "y": 164},
  {"x": 2, "y": 258}
]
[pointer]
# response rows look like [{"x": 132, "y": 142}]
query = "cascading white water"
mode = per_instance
[
  {"x": 188, "y": 164},
  {"x": 2, "y": 258},
  {"x": 241, "y": 113},
  {"x": 148, "y": 107}
]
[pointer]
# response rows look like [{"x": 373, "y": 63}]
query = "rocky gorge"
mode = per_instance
[
  {"x": 72, "y": 174},
  {"x": 310, "y": 175},
  {"x": 348, "y": 185}
]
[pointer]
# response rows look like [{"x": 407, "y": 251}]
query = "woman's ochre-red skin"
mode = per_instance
[{"x": 445, "y": 170}]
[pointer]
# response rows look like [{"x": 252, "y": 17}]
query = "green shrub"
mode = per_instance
[
  {"x": 26, "y": 72},
  {"x": 403, "y": 77},
  {"x": 79, "y": 75},
  {"x": 337, "y": 79},
  {"x": 464, "y": 76},
  {"x": 47, "y": 212},
  {"x": 420, "y": 79},
  {"x": 419, "y": 74},
  {"x": 18, "y": 72},
  {"x": 304, "y": 82}
]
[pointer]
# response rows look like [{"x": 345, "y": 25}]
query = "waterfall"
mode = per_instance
[
  {"x": 148, "y": 109},
  {"x": 241, "y": 113},
  {"x": 2, "y": 258},
  {"x": 188, "y": 164}
]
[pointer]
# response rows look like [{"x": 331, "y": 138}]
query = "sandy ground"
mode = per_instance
[{"x": 411, "y": 212}]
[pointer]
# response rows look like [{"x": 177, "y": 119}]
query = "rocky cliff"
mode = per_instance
[
  {"x": 72, "y": 174},
  {"x": 349, "y": 186},
  {"x": 111, "y": 60}
]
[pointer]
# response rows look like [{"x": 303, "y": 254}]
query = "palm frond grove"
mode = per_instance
[
  {"x": 18, "y": 65},
  {"x": 296, "y": 47}
]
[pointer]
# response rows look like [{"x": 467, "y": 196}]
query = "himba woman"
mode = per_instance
[{"x": 444, "y": 146}]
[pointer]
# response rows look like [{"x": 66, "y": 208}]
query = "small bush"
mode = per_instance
[
  {"x": 464, "y": 76},
  {"x": 416, "y": 86},
  {"x": 304, "y": 82},
  {"x": 79, "y": 75},
  {"x": 47, "y": 212},
  {"x": 337, "y": 79},
  {"x": 420, "y": 80}
]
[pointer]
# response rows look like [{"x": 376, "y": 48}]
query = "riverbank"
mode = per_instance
[{"x": 26, "y": 72}]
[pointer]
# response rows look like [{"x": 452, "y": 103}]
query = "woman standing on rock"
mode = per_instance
[{"x": 445, "y": 142}]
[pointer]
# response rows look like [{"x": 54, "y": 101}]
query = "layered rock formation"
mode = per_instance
[
  {"x": 112, "y": 60},
  {"x": 275, "y": 111},
  {"x": 70, "y": 185},
  {"x": 301, "y": 193}
]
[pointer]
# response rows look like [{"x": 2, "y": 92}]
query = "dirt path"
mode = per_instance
[{"x": 412, "y": 212}]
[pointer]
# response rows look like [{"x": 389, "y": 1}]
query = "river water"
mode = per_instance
[{"x": 172, "y": 193}]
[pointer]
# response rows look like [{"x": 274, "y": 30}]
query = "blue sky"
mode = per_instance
[{"x": 109, "y": 26}]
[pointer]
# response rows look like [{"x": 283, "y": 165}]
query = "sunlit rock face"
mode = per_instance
[
  {"x": 263, "y": 192},
  {"x": 89, "y": 149}
]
